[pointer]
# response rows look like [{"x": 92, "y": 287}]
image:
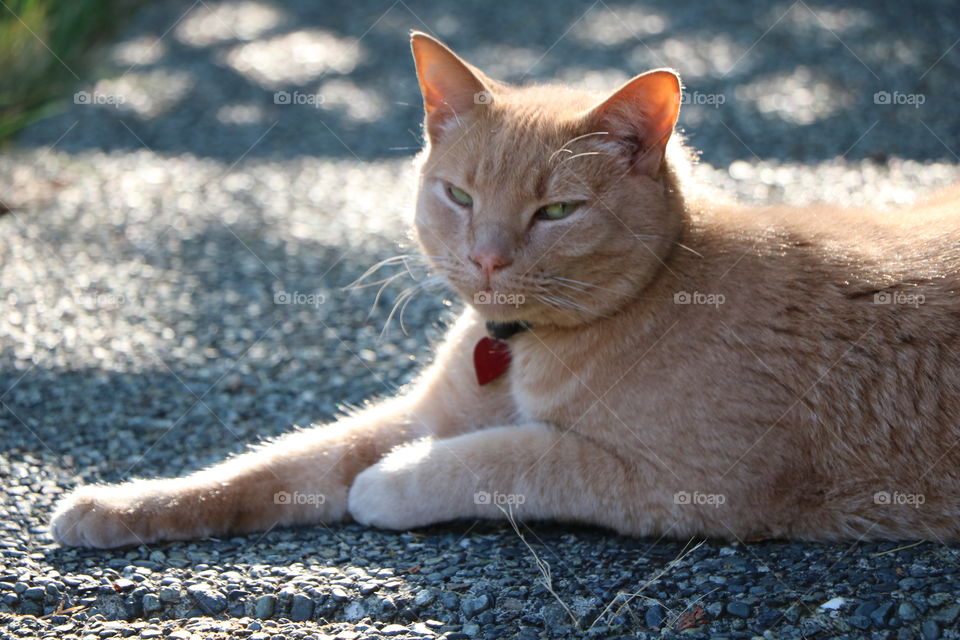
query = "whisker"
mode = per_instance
[
  {"x": 563, "y": 147},
  {"x": 693, "y": 251},
  {"x": 580, "y": 155}
]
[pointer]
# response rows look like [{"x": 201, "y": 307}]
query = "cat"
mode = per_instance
[{"x": 633, "y": 354}]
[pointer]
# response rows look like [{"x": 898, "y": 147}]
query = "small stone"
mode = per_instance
[
  {"x": 881, "y": 614},
  {"x": 393, "y": 630},
  {"x": 947, "y": 615},
  {"x": 209, "y": 600},
  {"x": 264, "y": 606},
  {"x": 739, "y": 609},
  {"x": 339, "y": 594},
  {"x": 301, "y": 608},
  {"x": 123, "y": 584},
  {"x": 907, "y": 611},
  {"x": 450, "y": 600},
  {"x": 424, "y": 598},
  {"x": 930, "y": 630},
  {"x": 860, "y": 622},
  {"x": 654, "y": 617},
  {"x": 420, "y": 629},
  {"x": 472, "y": 630},
  {"x": 479, "y": 604},
  {"x": 170, "y": 594},
  {"x": 151, "y": 603},
  {"x": 179, "y": 635},
  {"x": 34, "y": 593},
  {"x": 147, "y": 634}
]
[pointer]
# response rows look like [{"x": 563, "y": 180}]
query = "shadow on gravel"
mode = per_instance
[{"x": 802, "y": 81}]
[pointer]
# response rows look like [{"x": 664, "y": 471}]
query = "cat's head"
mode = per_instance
[{"x": 544, "y": 203}]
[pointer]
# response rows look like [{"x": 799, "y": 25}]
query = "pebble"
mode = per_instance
[
  {"x": 264, "y": 606},
  {"x": 301, "y": 608},
  {"x": 210, "y": 601},
  {"x": 473, "y": 606},
  {"x": 654, "y": 616}
]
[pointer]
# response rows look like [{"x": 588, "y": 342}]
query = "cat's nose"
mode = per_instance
[{"x": 489, "y": 259}]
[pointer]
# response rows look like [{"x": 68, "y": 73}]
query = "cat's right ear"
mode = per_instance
[
  {"x": 450, "y": 86},
  {"x": 640, "y": 117}
]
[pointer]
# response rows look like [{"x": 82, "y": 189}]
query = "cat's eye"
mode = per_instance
[
  {"x": 556, "y": 211},
  {"x": 459, "y": 196}
]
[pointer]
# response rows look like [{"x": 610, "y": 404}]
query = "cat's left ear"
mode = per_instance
[
  {"x": 451, "y": 87},
  {"x": 640, "y": 117}
]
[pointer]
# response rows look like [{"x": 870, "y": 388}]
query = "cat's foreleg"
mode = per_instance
[
  {"x": 532, "y": 471},
  {"x": 301, "y": 478}
]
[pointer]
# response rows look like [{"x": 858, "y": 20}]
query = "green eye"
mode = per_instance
[
  {"x": 460, "y": 196},
  {"x": 556, "y": 211}
]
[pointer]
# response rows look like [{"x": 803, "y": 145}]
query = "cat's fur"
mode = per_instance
[{"x": 788, "y": 399}]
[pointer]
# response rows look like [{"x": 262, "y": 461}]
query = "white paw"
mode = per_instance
[
  {"x": 377, "y": 499},
  {"x": 405, "y": 490},
  {"x": 98, "y": 516}
]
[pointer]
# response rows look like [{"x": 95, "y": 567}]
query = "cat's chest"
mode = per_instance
[{"x": 554, "y": 383}]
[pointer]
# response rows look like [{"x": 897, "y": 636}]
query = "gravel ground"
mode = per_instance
[{"x": 156, "y": 224}]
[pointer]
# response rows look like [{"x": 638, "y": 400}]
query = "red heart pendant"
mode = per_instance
[{"x": 491, "y": 359}]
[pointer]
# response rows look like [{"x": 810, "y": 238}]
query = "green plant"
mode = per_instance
[{"x": 44, "y": 47}]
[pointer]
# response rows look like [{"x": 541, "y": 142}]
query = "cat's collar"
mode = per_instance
[{"x": 506, "y": 330}]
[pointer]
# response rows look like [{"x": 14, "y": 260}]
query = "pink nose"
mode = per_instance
[{"x": 489, "y": 260}]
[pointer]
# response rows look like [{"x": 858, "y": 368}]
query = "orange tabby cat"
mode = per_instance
[{"x": 665, "y": 364}]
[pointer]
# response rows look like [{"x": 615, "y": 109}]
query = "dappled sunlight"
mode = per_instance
[
  {"x": 798, "y": 97},
  {"x": 147, "y": 94},
  {"x": 507, "y": 61},
  {"x": 141, "y": 50},
  {"x": 241, "y": 114},
  {"x": 213, "y": 23},
  {"x": 801, "y": 16},
  {"x": 593, "y": 79},
  {"x": 295, "y": 58},
  {"x": 695, "y": 57},
  {"x": 353, "y": 101},
  {"x": 609, "y": 25}
]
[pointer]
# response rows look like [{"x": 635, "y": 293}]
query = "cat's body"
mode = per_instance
[{"x": 691, "y": 367}]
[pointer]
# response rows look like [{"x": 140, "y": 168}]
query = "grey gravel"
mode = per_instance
[{"x": 149, "y": 244}]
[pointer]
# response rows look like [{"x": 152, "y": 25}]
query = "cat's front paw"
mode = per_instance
[
  {"x": 403, "y": 491},
  {"x": 103, "y": 517},
  {"x": 376, "y": 500}
]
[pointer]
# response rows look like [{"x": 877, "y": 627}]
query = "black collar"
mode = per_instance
[{"x": 505, "y": 330}]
